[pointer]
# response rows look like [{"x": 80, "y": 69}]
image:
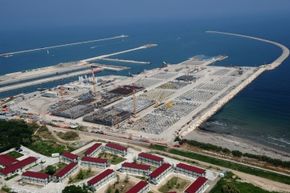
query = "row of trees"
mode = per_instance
[{"x": 235, "y": 153}]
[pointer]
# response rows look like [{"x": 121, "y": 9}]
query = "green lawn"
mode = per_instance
[
  {"x": 15, "y": 154},
  {"x": 231, "y": 165},
  {"x": 231, "y": 183}
]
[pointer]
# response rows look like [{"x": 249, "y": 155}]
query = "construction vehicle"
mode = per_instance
[{"x": 169, "y": 104}]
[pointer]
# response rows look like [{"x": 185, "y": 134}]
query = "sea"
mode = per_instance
[{"x": 261, "y": 112}]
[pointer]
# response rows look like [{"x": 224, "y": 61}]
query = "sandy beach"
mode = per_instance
[{"x": 235, "y": 143}]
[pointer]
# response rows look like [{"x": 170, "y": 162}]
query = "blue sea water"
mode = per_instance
[{"x": 261, "y": 112}]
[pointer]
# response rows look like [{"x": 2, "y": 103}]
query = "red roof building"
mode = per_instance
[
  {"x": 135, "y": 168},
  {"x": 94, "y": 162},
  {"x": 140, "y": 187},
  {"x": 189, "y": 170},
  {"x": 116, "y": 148},
  {"x": 93, "y": 149},
  {"x": 102, "y": 178},
  {"x": 69, "y": 157},
  {"x": 197, "y": 186},
  {"x": 7, "y": 160},
  {"x": 159, "y": 173},
  {"x": 35, "y": 177},
  {"x": 150, "y": 158},
  {"x": 18, "y": 166},
  {"x": 66, "y": 171}
]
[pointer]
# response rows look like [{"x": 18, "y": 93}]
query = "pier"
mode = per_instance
[
  {"x": 37, "y": 76},
  {"x": 231, "y": 94},
  {"x": 61, "y": 45}
]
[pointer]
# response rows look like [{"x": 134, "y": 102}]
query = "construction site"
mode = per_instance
[{"x": 156, "y": 105}]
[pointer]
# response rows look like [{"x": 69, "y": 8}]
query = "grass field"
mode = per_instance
[
  {"x": 121, "y": 186},
  {"x": 231, "y": 183},
  {"x": 81, "y": 175},
  {"x": 113, "y": 159},
  {"x": 227, "y": 164},
  {"x": 48, "y": 147},
  {"x": 175, "y": 184},
  {"x": 15, "y": 154}
]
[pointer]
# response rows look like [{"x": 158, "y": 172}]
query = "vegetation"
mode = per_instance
[
  {"x": 50, "y": 170},
  {"x": 83, "y": 174},
  {"x": 10, "y": 177},
  {"x": 14, "y": 133},
  {"x": 231, "y": 165},
  {"x": 15, "y": 154},
  {"x": 68, "y": 136},
  {"x": 174, "y": 184},
  {"x": 232, "y": 184},
  {"x": 113, "y": 159},
  {"x": 5, "y": 188},
  {"x": 120, "y": 186},
  {"x": 158, "y": 147},
  {"x": 76, "y": 189},
  {"x": 48, "y": 147},
  {"x": 210, "y": 147}
]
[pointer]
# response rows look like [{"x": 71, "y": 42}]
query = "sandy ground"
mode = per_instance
[{"x": 235, "y": 143}]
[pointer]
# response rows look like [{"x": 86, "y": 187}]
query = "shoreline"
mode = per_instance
[{"x": 236, "y": 143}]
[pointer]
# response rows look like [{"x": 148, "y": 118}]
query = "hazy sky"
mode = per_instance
[{"x": 20, "y": 13}]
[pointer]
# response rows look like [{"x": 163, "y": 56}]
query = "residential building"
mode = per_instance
[
  {"x": 140, "y": 187},
  {"x": 91, "y": 151},
  {"x": 189, "y": 170},
  {"x": 94, "y": 162},
  {"x": 7, "y": 160},
  {"x": 35, "y": 178},
  {"x": 68, "y": 157},
  {"x": 17, "y": 167},
  {"x": 198, "y": 186},
  {"x": 116, "y": 149},
  {"x": 65, "y": 172},
  {"x": 159, "y": 173},
  {"x": 150, "y": 159},
  {"x": 135, "y": 168},
  {"x": 101, "y": 179}
]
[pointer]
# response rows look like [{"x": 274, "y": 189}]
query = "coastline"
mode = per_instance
[{"x": 236, "y": 143}]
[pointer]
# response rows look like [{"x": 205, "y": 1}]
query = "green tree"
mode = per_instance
[
  {"x": 74, "y": 189},
  {"x": 237, "y": 153},
  {"x": 50, "y": 170},
  {"x": 229, "y": 188}
]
